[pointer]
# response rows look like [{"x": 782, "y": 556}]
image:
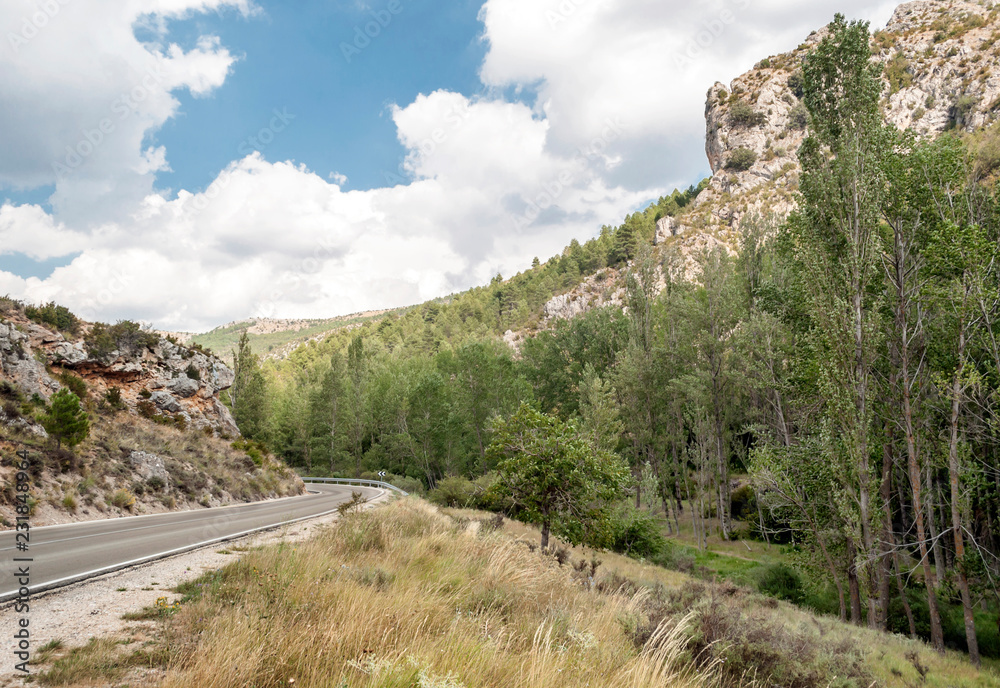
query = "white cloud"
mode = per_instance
[{"x": 615, "y": 117}]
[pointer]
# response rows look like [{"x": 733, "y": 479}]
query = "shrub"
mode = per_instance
[
  {"x": 69, "y": 502},
  {"x": 453, "y": 491},
  {"x": 742, "y": 114},
  {"x": 741, "y": 159},
  {"x": 55, "y": 316},
  {"x": 743, "y": 503},
  {"x": 193, "y": 372},
  {"x": 75, "y": 384},
  {"x": 635, "y": 534},
  {"x": 898, "y": 73},
  {"x": 959, "y": 113},
  {"x": 123, "y": 499},
  {"x": 66, "y": 420},
  {"x": 113, "y": 397},
  {"x": 146, "y": 409},
  {"x": 781, "y": 581},
  {"x": 125, "y": 336},
  {"x": 155, "y": 483},
  {"x": 796, "y": 84},
  {"x": 798, "y": 117}
]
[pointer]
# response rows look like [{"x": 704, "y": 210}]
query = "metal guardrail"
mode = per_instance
[{"x": 356, "y": 481}]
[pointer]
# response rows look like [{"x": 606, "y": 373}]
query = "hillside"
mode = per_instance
[
  {"x": 460, "y": 599},
  {"x": 160, "y": 438},
  {"x": 270, "y": 337}
]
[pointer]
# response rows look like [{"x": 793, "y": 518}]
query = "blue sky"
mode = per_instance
[
  {"x": 465, "y": 139},
  {"x": 291, "y": 58}
]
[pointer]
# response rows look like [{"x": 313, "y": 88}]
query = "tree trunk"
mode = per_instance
[
  {"x": 852, "y": 582},
  {"x": 956, "y": 513},
  {"x": 930, "y": 580}
]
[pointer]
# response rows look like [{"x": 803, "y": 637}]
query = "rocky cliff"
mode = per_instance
[
  {"x": 160, "y": 438},
  {"x": 942, "y": 71},
  {"x": 179, "y": 382}
]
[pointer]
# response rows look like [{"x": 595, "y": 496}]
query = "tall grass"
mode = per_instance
[{"x": 449, "y": 608}]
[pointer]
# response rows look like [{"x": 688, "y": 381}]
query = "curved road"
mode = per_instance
[{"x": 64, "y": 554}]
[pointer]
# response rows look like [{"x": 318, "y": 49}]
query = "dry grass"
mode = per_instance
[
  {"x": 409, "y": 596},
  {"x": 405, "y": 597}
]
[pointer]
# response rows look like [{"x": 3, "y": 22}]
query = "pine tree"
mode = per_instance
[{"x": 66, "y": 419}]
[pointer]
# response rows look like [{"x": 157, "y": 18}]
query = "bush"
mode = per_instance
[
  {"x": 124, "y": 336},
  {"x": 66, "y": 420},
  {"x": 741, "y": 159},
  {"x": 123, "y": 499},
  {"x": 146, "y": 409},
  {"x": 742, "y": 114},
  {"x": 69, "y": 502},
  {"x": 796, "y": 84},
  {"x": 453, "y": 491},
  {"x": 55, "y": 316},
  {"x": 743, "y": 503},
  {"x": 781, "y": 581},
  {"x": 113, "y": 398},
  {"x": 798, "y": 117},
  {"x": 193, "y": 372},
  {"x": 155, "y": 483},
  {"x": 75, "y": 384},
  {"x": 635, "y": 534}
]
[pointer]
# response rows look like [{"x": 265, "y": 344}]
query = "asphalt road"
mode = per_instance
[{"x": 64, "y": 554}]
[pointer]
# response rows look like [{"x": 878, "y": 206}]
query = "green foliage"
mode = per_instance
[
  {"x": 113, "y": 398},
  {"x": 635, "y": 533},
  {"x": 798, "y": 117},
  {"x": 248, "y": 394},
  {"x": 740, "y": 160},
  {"x": 127, "y": 337},
  {"x": 781, "y": 581},
  {"x": 192, "y": 372},
  {"x": 897, "y": 71},
  {"x": 74, "y": 383},
  {"x": 556, "y": 478},
  {"x": 66, "y": 419},
  {"x": 453, "y": 491},
  {"x": 55, "y": 316},
  {"x": 796, "y": 84},
  {"x": 743, "y": 115}
]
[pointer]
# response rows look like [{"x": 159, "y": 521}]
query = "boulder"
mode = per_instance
[
  {"x": 165, "y": 401},
  {"x": 184, "y": 386}
]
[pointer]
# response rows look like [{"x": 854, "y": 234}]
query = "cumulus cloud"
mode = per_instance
[{"x": 608, "y": 115}]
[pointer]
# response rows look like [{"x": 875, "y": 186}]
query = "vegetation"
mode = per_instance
[
  {"x": 742, "y": 114},
  {"x": 845, "y": 364},
  {"x": 67, "y": 421},
  {"x": 449, "y": 602},
  {"x": 741, "y": 160}
]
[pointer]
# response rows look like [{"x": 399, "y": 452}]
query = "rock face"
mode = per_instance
[
  {"x": 177, "y": 380},
  {"x": 942, "y": 64}
]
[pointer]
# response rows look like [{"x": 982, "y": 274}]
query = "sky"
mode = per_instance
[{"x": 188, "y": 163}]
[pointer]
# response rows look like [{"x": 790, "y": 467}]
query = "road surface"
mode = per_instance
[{"x": 64, "y": 554}]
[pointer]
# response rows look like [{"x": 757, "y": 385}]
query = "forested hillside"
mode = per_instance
[{"x": 833, "y": 382}]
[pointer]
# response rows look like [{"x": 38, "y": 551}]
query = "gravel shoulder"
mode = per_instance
[{"x": 94, "y": 608}]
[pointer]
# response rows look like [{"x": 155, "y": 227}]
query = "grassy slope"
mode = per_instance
[
  {"x": 222, "y": 340},
  {"x": 408, "y": 596}
]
